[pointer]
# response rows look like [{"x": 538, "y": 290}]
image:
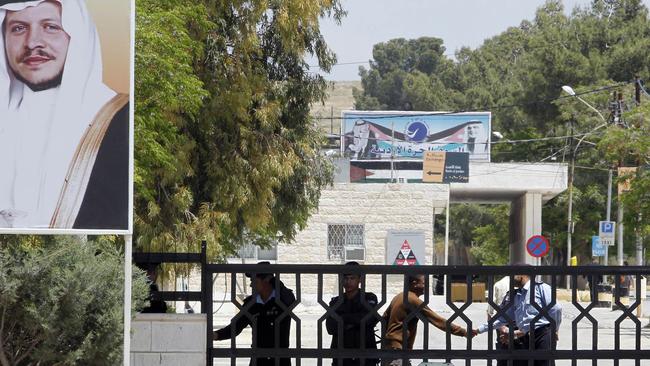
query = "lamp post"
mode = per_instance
[{"x": 569, "y": 90}]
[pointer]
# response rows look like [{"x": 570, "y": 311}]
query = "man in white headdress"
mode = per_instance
[
  {"x": 63, "y": 133},
  {"x": 474, "y": 132}
]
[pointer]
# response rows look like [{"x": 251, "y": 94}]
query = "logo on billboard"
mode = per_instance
[{"x": 417, "y": 131}]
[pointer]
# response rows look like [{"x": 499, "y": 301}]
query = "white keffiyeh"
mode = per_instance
[{"x": 40, "y": 131}]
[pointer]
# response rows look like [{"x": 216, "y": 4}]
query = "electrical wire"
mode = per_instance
[
  {"x": 484, "y": 108},
  {"x": 547, "y": 138}
]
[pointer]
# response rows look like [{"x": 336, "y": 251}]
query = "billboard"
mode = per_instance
[
  {"x": 380, "y": 135},
  {"x": 66, "y": 122}
]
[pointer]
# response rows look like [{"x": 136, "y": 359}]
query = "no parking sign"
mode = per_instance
[{"x": 538, "y": 246}]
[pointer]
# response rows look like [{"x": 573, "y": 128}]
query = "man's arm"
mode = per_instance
[
  {"x": 435, "y": 319},
  {"x": 500, "y": 321},
  {"x": 556, "y": 311},
  {"x": 227, "y": 332}
]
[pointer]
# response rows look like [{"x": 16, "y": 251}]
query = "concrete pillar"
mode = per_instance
[{"x": 525, "y": 221}]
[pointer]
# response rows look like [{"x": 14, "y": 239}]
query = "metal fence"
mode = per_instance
[
  {"x": 627, "y": 342},
  {"x": 468, "y": 353}
]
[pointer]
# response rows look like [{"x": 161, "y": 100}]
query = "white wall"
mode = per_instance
[
  {"x": 168, "y": 340},
  {"x": 380, "y": 208}
]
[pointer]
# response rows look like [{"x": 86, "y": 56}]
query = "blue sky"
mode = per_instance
[{"x": 458, "y": 22}]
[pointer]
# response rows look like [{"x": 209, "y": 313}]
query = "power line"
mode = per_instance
[
  {"x": 548, "y": 138},
  {"x": 482, "y": 108}
]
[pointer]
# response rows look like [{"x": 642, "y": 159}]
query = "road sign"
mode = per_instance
[
  {"x": 405, "y": 256},
  {"x": 433, "y": 166},
  {"x": 597, "y": 248},
  {"x": 537, "y": 246},
  {"x": 445, "y": 167},
  {"x": 607, "y": 232}
]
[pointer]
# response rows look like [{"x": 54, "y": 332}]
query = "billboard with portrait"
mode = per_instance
[
  {"x": 66, "y": 122},
  {"x": 381, "y": 135}
]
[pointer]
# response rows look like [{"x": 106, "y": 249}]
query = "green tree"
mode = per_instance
[
  {"x": 516, "y": 75},
  {"x": 225, "y": 147},
  {"x": 61, "y": 303},
  {"x": 631, "y": 147},
  {"x": 491, "y": 248}
]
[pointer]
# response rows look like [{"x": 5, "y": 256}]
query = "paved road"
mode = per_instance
[{"x": 310, "y": 311}]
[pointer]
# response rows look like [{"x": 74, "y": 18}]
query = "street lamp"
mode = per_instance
[{"x": 569, "y": 90}]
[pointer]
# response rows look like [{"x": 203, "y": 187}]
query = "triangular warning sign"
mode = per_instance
[
  {"x": 405, "y": 256},
  {"x": 406, "y": 245}
]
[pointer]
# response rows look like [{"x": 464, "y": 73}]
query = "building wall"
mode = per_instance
[
  {"x": 380, "y": 208},
  {"x": 168, "y": 340}
]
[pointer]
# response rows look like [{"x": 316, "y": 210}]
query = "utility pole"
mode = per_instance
[
  {"x": 639, "y": 241},
  {"x": 637, "y": 90},
  {"x": 569, "y": 229},
  {"x": 639, "y": 236},
  {"x": 608, "y": 214}
]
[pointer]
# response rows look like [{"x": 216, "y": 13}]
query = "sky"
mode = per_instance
[{"x": 458, "y": 22}]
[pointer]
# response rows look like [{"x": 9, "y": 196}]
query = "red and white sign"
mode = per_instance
[{"x": 405, "y": 256}]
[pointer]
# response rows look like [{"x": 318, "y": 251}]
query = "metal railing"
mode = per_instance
[
  {"x": 191, "y": 258},
  {"x": 299, "y": 351}
]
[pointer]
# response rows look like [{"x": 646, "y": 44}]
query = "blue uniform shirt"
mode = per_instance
[{"x": 523, "y": 312}]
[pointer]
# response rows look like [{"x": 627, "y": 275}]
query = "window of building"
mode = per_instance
[
  {"x": 345, "y": 242},
  {"x": 253, "y": 252}
]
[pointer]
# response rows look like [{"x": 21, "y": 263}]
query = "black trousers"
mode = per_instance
[{"x": 543, "y": 340}]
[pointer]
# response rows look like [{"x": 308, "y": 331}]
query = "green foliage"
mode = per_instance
[
  {"x": 515, "y": 74},
  {"x": 61, "y": 303},
  {"x": 225, "y": 147},
  {"x": 491, "y": 247},
  {"x": 631, "y": 147}
]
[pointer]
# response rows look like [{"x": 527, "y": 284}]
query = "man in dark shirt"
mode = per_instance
[
  {"x": 265, "y": 310},
  {"x": 155, "y": 304},
  {"x": 352, "y": 309}
]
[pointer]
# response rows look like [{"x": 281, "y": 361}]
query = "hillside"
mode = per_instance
[{"x": 340, "y": 98}]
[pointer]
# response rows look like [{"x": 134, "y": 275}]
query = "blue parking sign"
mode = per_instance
[{"x": 606, "y": 227}]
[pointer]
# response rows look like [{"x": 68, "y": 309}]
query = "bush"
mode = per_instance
[{"x": 61, "y": 302}]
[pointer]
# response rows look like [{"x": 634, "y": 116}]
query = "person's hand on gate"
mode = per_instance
[{"x": 503, "y": 338}]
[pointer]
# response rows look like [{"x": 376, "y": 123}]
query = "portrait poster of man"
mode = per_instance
[
  {"x": 378, "y": 135},
  {"x": 65, "y": 118}
]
